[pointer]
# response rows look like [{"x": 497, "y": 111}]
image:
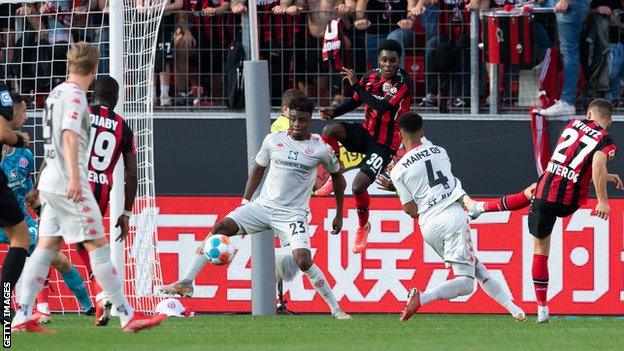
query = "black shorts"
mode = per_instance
[
  {"x": 164, "y": 47},
  {"x": 543, "y": 215},
  {"x": 359, "y": 140},
  {"x": 10, "y": 212}
]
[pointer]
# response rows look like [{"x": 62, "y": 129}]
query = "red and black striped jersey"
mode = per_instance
[
  {"x": 110, "y": 137},
  {"x": 398, "y": 93},
  {"x": 569, "y": 171},
  {"x": 219, "y": 27}
]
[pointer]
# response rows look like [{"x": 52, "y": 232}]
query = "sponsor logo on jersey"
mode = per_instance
[
  {"x": 13, "y": 174},
  {"x": 293, "y": 155}
]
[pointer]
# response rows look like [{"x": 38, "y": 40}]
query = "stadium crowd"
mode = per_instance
[{"x": 574, "y": 53}]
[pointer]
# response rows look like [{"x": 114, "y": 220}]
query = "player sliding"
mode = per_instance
[
  {"x": 429, "y": 191},
  {"x": 70, "y": 211},
  {"x": 386, "y": 93},
  {"x": 18, "y": 166},
  {"x": 283, "y": 204},
  {"x": 581, "y": 155}
]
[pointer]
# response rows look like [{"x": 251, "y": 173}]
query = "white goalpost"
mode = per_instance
[{"x": 34, "y": 36}]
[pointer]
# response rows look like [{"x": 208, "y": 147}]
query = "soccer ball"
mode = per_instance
[{"x": 219, "y": 250}]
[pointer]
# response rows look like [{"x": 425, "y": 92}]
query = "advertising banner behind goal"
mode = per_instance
[{"x": 586, "y": 261}]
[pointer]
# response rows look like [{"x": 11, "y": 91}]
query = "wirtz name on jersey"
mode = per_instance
[
  {"x": 408, "y": 161},
  {"x": 103, "y": 122}
]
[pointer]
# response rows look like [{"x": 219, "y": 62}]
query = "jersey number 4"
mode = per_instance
[
  {"x": 437, "y": 177},
  {"x": 570, "y": 136}
]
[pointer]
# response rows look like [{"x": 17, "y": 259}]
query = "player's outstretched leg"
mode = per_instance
[
  {"x": 511, "y": 202},
  {"x": 459, "y": 286},
  {"x": 540, "y": 277},
  {"x": 303, "y": 257},
  {"x": 184, "y": 286},
  {"x": 111, "y": 282},
  {"x": 362, "y": 202},
  {"x": 74, "y": 281},
  {"x": 102, "y": 304},
  {"x": 496, "y": 292},
  {"x": 34, "y": 277}
]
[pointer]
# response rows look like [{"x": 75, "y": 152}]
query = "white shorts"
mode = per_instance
[
  {"x": 291, "y": 227},
  {"x": 74, "y": 221},
  {"x": 448, "y": 234}
]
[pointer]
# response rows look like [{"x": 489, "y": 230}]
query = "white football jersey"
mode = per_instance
[
  {"x": 423, "y": 175},
  {"x": 292, "y": 172},
  {"x": 66, "y": 109}
]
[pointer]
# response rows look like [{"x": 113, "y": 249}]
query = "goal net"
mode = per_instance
[{"x": 34, "y": 39}]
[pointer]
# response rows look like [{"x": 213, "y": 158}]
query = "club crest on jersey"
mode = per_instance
[
  {"x": 309, "y": 151},
  {"x": 13, "y": 174},
  {"x": 293, "y": 155},
  {"x": 386, "y": 87},
  {"x": 280, "y": 145},
  {"x": 23, "y": 162}
]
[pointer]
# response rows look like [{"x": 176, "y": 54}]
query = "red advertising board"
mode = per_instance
[{"x": 586, "y": 260}]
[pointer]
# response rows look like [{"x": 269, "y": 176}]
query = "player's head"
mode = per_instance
[
  {"x": 82, "y": 59},
  {"x": 300, "y": 116},
  {"x": 411, "y": 128},
  {"x": 389, "y": 54},
  {"x": 601, "y": 111},
  {"x": 106, "y": 91},
  {"x": 287, "y": 97},
  {"x": 19, "y": 111}
]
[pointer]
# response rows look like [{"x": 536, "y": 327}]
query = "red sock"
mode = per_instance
[
  {"x": 361, "y": 203},
  {"x": 509, "y": 202},
  {"x": 540, "y": 278},
  {"x": 333, "y": 143},
  {"x": 84, "y": 255}
]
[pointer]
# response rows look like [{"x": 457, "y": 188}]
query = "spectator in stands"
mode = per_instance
[
  {"x": 277, "y": 37},
  {"x": 99, "y": 21},
  {"x": 200, "y": 50},
  {"x": 570, "y": 18},
  {"x": 311, "y": 74},
  {"x": 164, "y": 49},
  {"x": 383, "y": 20},
  {"x": 448, "y": 58}
]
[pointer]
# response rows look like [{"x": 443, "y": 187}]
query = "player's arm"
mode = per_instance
[
  {"x": 340, "y": 185},
  {"x": 255, "y": 177},
  {"x": 32, "y": 198},
  {"x": 405, "y": 195},
  {"x": 599, "y": 177},
  {"x": 11, "y": 137},
  {"x": 389, "y": 101},
  {"x": 130, "y": 191}
]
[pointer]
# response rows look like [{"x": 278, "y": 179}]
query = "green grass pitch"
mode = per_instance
[{"x": 320, "y": 332}]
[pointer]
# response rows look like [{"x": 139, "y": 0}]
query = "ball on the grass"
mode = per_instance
[{"x": 219, "y": 250}]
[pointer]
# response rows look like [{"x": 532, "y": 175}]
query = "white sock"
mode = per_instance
[
  {"x": 110, "y": 281},
  {"x": 495, "y": 290},
  {"x": 43, "y": 307},
  {"x": 450, "y": 289},
  {"x": 164, "y": 90},
  {"x": 197, "y": 264},
  {"x": 33, "y": 277},
  {"x": 318, "y": 281}
]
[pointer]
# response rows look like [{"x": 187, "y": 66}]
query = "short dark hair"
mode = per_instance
[
  {"x": 106, "y": 89},
  {"x": 289, "y": 95},
  {"x": 602, "y": 106},
  {"x": 390, "y": 45},
  {"x": 18, "y": 98},
  {"x": 411, "y": 122},
  {"x": 301, "y": 103}
]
